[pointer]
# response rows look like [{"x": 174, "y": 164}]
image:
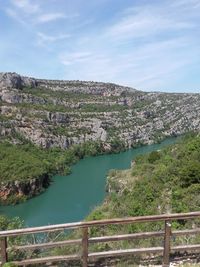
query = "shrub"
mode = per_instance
[{"x": 154, "y": 156}]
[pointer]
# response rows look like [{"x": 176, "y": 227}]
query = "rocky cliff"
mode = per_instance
[
  {"x": 17, "y": 191},
  {"x": 53, "y": 113}
]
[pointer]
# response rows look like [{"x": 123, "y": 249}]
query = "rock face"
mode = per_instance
[
  {"x": 26, "y": 189},
  {"x": 52, "y": 113},
  {"x": 58, "y": 117},
  {"x": 14, "y": 80}
]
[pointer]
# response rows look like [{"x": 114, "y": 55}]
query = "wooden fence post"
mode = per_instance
[
  {"x": 85, "y": 247},
  {"x": 4, "y": 255},
  {"x": 166, "y": 253}
]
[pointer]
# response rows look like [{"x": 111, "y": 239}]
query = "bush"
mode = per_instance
[
  {"x": 154, "y": 156},
  {"x": 190, "y": 173}
]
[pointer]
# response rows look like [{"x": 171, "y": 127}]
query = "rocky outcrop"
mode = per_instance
[
  {"x": 87, "y": 87},
  {"x": 58, "y": 117},
  {"x": 15, "y": 97},
  {"x": 18, "y": 190},
  {"x": 14, "y": 80}
]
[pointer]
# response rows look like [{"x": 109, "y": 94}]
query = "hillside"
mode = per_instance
[
  {"x": 47, "y": 125},
  {"x": 62, "y": 113},
  {"x": 165, "y": 181}
]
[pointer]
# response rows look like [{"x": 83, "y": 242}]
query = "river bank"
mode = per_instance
[
  {"x": 26, "y": 170},
  {"x": 73, "y": 197},
  {"x": 14, "y": 192}
]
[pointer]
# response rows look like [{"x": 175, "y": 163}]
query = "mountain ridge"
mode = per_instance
[
  {"x": 52, "y": 113},
  {"x": 15, "y": 80}
]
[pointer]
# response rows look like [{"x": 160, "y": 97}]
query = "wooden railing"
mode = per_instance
[{"x": 85, "y": 256}]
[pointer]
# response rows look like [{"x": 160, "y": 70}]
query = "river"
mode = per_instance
[{"x": 70, "y": 198}]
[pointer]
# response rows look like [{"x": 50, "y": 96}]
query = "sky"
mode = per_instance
[{"x": 149, "y": 45}]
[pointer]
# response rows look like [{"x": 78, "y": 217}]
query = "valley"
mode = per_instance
[{"x": 48, "y": 125}]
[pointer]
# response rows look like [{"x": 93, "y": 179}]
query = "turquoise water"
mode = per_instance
[{"x": 70, "y": 198}]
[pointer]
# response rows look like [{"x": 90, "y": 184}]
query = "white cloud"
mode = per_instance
[
  {"x": 76, "y": 57},
  {"x": 46, "y": 39},
  {"x": 13, "y": 14},
  {"x": 147, "y": 47},
  {"x": 48, "y": 17},
  {"x": 144, "y": 23},
  {"x": 186, "y": 3},
  {"x": 27, "y": 6},
  {"x": 34, "y": 12},
  {"x": 147, "y": 66},
  {"x": 51, "y": 38}
]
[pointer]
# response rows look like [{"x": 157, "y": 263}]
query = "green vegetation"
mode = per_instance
[
  {"x": 9, "y": 265},
  {"x": 4, "y": 118},
  {"x": 117, "y": 145},
  {"x": 43, "y": 92},
  {"x": 14, "y": 254},
  {"x": 162, "y": 181},
  {"x": 24, "y": 162},
  {"x": 9, "y": 224},
  {"x": 103, "y": 108},
  {"x": 44, "y": 107}
]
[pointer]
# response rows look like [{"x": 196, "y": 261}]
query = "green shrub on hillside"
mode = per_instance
[
  {"x": 160, "y": 182},
  {"x": 153, "y": 156}
]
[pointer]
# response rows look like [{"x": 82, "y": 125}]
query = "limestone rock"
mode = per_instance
[{"x": 14, "y": 80}]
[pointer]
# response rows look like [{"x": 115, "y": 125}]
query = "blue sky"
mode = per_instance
[{"x": 149, "y": 45}]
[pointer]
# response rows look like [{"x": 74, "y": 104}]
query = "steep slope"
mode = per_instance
[{"x": 62, "y": 113}]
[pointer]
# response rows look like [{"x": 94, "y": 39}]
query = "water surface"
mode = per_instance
[{"x": 70, "y": 198}]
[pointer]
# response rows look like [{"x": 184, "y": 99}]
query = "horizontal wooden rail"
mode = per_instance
[
  {"x": 124, "y": 252},
  {"x": 186, "y": 248},
  {"x": 139, "y": 219},
  {"x": 106, "y": 254},
  {"x": 186, "y": 232},
  {"x": 46, "y": 245},
  {"x": 85, "y": 255},
  {"x": 125, "y": 237},
  {"x": 104, "y": 239}
]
